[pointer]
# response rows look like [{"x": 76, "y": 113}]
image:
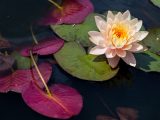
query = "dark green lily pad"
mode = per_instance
[
  {"x": 74, "y": 60},
  {"x": 152, "y": 41},
  {"x": 77, "y": 32},
  {"x": 22, "y": 62},
  {"x": 156, "y": 2},
  {"x": 148, "y": 61}
]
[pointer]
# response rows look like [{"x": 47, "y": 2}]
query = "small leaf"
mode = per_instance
[
  {"x": 73, "y": 12},
  {"x": 148, "y": 61},
  {"x": 64, "y": 103},
  {"x": 127, "y": 113},
  {"x": 21, "y": 79},
  {"x": 73, "y": 59},
  {"x": 152, "y": 41},
  {"x": 77, "y": 32},
  {"x": 45, "y": 47},
  {"x": 156, "y": 2},
  {"x": 22, "y": 62}
]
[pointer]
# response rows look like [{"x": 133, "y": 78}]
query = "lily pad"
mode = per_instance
[
  {"x": 74, "y": 60},
  {"x": 156, "y": 2},
  {"x": 77, "y": 32},
  {"x": 152, "y": 41},
  {"x": 23, "y": 62},
  {"x": 148, "y": 61},
  {"x": 64, "y": 102}
]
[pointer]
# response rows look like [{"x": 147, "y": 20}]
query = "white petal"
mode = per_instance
[
  {"x": 113, "y": 62},
  {"x": 121, "y": 53},
  {"x": 101, "y": 23},
  {"x": 140, "y": 35},
  {"x": 96, "y": 37},
  {"x": 110, "y": 15},
  {"x": 97, "y": 50},
  {"x": 127, "y": 47},
  {"x": 136, "y": 47},
  {"x": 126, "y": 15},
  {"x": 110, "y": 53},
  {"x": 130, "y": 59},
  {"x": 118, "y": 16},
  {"x": 138, "y": 26},
  {"x": 133, "y": 22}
]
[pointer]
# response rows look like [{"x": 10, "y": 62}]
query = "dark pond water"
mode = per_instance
[{"x": 133, "y": 88}]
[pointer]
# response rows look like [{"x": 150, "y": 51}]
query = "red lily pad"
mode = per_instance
[
  {"x": 73, "y": 12},
  {"x": 6, "y": 62},
  {"x": 64, "y": 103},
  {"x": 21, "y": 79},
  {"x": 45, "y": 47}
]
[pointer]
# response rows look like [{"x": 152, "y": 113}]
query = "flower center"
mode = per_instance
[{"x": 119, "y": 35}]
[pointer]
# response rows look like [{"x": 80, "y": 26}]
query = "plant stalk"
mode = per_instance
[{"x": 55, "y": 4}]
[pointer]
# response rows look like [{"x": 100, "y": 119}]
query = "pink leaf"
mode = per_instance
[
  {"x": 104, "y": 117},
  {"x": 127, "y": 113},
  {"x": 45, "y": 47},
  {"x": 64, "y": 103},
  {"x": 21, "y": 79},
  {"x": 73, "y": 12}
]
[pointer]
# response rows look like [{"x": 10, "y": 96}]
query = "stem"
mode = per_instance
[
  {"x": 40, "y": 75},
  {"x": 55, "y": 4},
  {"x": 33, "y": 36}
]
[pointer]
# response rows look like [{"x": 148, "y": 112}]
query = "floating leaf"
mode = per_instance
[
  {"x": 20, "y": 79},
  {"x": 6, "y": 62},
  {"x": 22, "y": 62},
  {"x": 45, "y": 47},
  {"x": 73, "y": 59},
  {"x": 72, "y": 12},
  {"x": 152, "y": 41},
  {"x": 156, "y": 2},
  {"x": 105, "y": 117},
  {"x": 148, "y": 61},
  {"x": 64, "y": 103},
  {"x": 77, "y": 32},
  {"x": 4, "y": 43}
]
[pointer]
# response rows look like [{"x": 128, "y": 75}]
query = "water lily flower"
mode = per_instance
[{"x": 117, "y": 38}]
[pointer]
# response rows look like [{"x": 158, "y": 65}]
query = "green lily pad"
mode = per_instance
[
  {"x": 77, "y": 32},
  {"x": 148, "y": 61},
  {"x": 156, "y": 2},
  {"x": 152, "y": 41},
  {"x": 74, "y": 60},
  {"x": 23, "y": 62}
]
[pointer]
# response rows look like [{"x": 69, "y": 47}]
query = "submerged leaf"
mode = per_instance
[
  {"x": 72, "y": 12},
  {"x": 64, "y": 103},
  {"x": 4, "y": 43},
  {"x": 148, "y": 61},
  {"x": 152, "y": 41},
  {"x": 21, "y": 79},
  {"x": 127, "y": 113},
  {"x": 105, "y": 117},
  {"x": 6, "y": 62},
  {"x": 73, "y": 59},
  {"x": 77, "y": 32},
  {"x": 45, "y": 47}
]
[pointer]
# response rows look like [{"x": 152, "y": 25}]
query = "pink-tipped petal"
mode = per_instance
[
  {"x": 126, "y": 15},
  {"x": 64, "y": 102},
  {"x": 113, "y": 62},
  {"x": 140, "y": 35},
  {"x": 96, "y": 37},
  {"x": 110, "y": 15},
  {"x": 121, "y": 53},
  {"x": 130, "y": 59},
  {"x": 110, "y": 53},
  {"x": 97, "y": 50},
  {"x": 136, "y": 47},
  {"x": 101, "y": 23},
  {"x": 138, "y": 26}
]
